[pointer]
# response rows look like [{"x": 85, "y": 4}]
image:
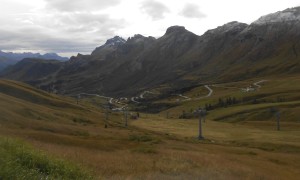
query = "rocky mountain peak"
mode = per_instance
[
  {"x": 288, "y": 15},
  {"x": 115, "y": 41},
  {"x": 139, "y": 38},
  {"x": 233, "y": 26},
  {"x": 176, "y": 29},
  {"x": 136, "y": 37},
  {"x": 110, "y": 45},
  {"x": 179, "y": 59}
]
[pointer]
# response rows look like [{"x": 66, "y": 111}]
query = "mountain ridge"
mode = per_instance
[
  {"x": 180, "y": 58},
  {"x": 10, "y": 58}
]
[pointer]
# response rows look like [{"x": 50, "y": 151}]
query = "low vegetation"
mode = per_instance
[
  {"x": 241, "y": 139},
  {"x": 18, "y": 160}
]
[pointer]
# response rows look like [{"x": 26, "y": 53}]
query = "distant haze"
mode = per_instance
[{"x": 78, "y": 26}]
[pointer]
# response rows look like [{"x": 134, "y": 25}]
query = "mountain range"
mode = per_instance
[
  {"x": 10, "y": 58},
  {"x": 179, "y": 59}
]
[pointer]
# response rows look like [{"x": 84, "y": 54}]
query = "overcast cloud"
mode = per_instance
[
  {"x": 79, "y": 26},
  {"x": 192, "y": 11},
  {"x": 80, "y": 5},
  {"x": 154, "y": 9},
  {"x": 23, "y": 40}
]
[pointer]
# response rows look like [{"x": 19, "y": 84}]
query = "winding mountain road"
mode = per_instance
[
  {"x": 185, "y": 97},
  {"x": 119, "y": 108},
  {"x": 210, "y": 91},
  {"x": 110, "y": 100},
  {"x": 87, "y": 94},
  {"x": 133, "y": 100},
  {"x": 258, "y": 82},
  {"x": 141, "y": 96},
  {"x": 145, "y": 92}
]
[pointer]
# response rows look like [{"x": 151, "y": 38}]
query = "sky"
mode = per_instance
[{"x": 68, "y": 27}]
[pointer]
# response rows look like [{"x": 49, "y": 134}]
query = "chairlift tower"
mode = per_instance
[
  {"x": 202, "y": 114},
  {"x": 78, "y": 97},
  {"x": 278, "y": 120},
  {"x": 276, "y": 113},
  {"x": 125, "y": 116}
]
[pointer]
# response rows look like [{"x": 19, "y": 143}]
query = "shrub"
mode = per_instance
[{"x": 20, "y": 161}]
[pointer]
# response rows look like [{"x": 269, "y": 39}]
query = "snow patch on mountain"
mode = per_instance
[
  {"x": 229, "y": 27},
  {"x": 115, "y": 41},
  {"x": 291, "y": 14}
]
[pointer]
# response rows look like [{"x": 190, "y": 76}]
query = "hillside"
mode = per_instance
[
  {"x": 230, "y": 102},
  {"x": 4, "y": 62},
  {"x": 9, "y": 58},
  {"x": 179, "y": 59},
  {"x": 153, "y": 146},
  {"x": 33, "y": 69},
  {"x": 221, "y": 105}
]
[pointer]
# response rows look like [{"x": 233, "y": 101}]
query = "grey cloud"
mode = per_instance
[
  {"x": 154, "y": 9},
  {"x": 88, "y": 22},
  {"x": 74, "y": 30},
  {"x": 80, "y": 5},
  {"x": 192, "y": 11},
  {"x": 73, "y": 33},
  {"x": 38, "y": 41}
]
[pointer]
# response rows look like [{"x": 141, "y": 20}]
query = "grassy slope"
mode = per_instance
[
  {"x": 151, "y": 147},
  {"x": 254, "y": 126},
  {"x": 251, "y": 124},
  {"x": 20, "y": 161},
  {"x": 278, "y": 92}
]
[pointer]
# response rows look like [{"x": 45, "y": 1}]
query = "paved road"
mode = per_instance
[
  {"x": 87, "y": 94},
  {"x": 210, "y": 92},
  {"x": 133, "y": 100},
  {"x": 217, "y": 85},
  {"x": 119, "y": 108},
  {"x": 110, "y": 100},
  {"x": 185, "y": 97},
  {"x": 145, "y": 92},
  {"x": 258, "y": 82}
]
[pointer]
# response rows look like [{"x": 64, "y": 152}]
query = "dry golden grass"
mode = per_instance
[
  {"x": 281, "y": 93},
  {"x": 152, "y": 147}
]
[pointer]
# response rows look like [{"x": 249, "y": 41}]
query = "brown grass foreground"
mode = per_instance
[{"x": 150, "y": 148}]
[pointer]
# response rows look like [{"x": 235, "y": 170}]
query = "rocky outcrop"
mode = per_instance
[{"x": 178, "y": 59}]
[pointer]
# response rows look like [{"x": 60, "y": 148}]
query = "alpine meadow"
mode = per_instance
[{"x": 221, "y": 105}]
